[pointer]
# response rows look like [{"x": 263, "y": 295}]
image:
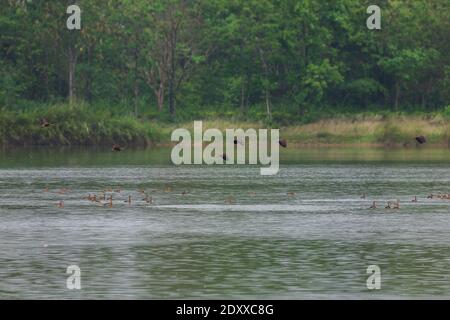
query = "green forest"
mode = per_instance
[{"x": 137, "y": 66}]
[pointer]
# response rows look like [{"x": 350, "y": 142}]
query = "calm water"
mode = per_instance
[{"x": 316, "y": 243}]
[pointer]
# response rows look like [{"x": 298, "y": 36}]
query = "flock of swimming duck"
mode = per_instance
[
  {"x": 396, "y": 204},
  {"x": 105, "y": 198}
]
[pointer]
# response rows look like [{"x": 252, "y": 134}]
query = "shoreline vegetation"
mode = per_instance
[
  {"x": 83, "y": 125},
  {"x": 136, "y": 70}
]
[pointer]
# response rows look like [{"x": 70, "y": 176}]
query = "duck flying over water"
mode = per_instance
[
  {"x": 421, "y": 139},
  {"x": 116, "y": 148},
  {"x": 44, "y": 123}
]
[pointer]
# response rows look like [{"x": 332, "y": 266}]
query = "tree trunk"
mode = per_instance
[
  {"x": 172, "y": 82},
  {"x": 243, "y": 97},
  {"x": 88, "y": 87},
  {"x": 397, "y": 96},
  {"x": 136, "y": 87},
  {"x": 269, "y": 113},
  {"x": 160, "y": 97},
  {"x": 72, "y": 64}
]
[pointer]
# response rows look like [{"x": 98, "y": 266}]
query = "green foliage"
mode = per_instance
[{"x": 271, "y": 61}]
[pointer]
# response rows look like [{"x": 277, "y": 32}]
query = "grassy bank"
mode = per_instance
[
  {"x": 84, "y": 125},
  {"x": 79, "y": 125}
]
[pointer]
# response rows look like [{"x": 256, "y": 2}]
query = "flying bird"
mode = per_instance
[
  {"x": 44, "y": 123},
  {"x": 116, "y": 148},
  {"x": 421, "y": 139}
]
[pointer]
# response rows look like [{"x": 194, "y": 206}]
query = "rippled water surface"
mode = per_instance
[{"x": 224, "y": 231}]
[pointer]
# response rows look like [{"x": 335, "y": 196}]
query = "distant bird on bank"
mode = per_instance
[
  {"x": 116, "y": 148},
  {"x": 283, "y": 143},
  {"x": 421, "y": 139}
]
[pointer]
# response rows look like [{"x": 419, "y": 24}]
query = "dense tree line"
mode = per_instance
[{"x": 234, "y": 54}]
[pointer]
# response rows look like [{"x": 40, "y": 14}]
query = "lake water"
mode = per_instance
[{"x": 234, "y": 234}]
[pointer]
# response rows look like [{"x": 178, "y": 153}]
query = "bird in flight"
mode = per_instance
[
  {"x": 116, "y": 148},
  {"x": 44, "y": 123},
  {"x": 421, "y": 139}
]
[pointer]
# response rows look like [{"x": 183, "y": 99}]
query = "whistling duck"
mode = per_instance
[
  {"x": 388, "y": 205},
  {"x": 60, "y": 204},
  {"x": 110, "y": 203},
  {"x": 283, "y": 143},
  {"x": 116, "y": 148},
  {"x": 148, "y": 199},
  {"x": 396, "y": 205},
  {"x": 415, "y": 199},
  {"x": 229, "y": 200},
  {"x": 44, "y": 123},
  {"x": 373, "y": 206},
  {"x": 129, "y": 200},
  {"x": 421, "y": 139}
]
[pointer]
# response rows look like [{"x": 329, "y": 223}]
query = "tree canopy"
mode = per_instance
[{"x": 228, "y": 54}]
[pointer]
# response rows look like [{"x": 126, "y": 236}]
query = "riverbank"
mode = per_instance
[{"x": 81, "y": 126}]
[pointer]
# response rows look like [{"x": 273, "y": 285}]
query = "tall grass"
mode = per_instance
[
  {"x": 103, "y": 125},
  {"x": 74, "y": 125}
]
